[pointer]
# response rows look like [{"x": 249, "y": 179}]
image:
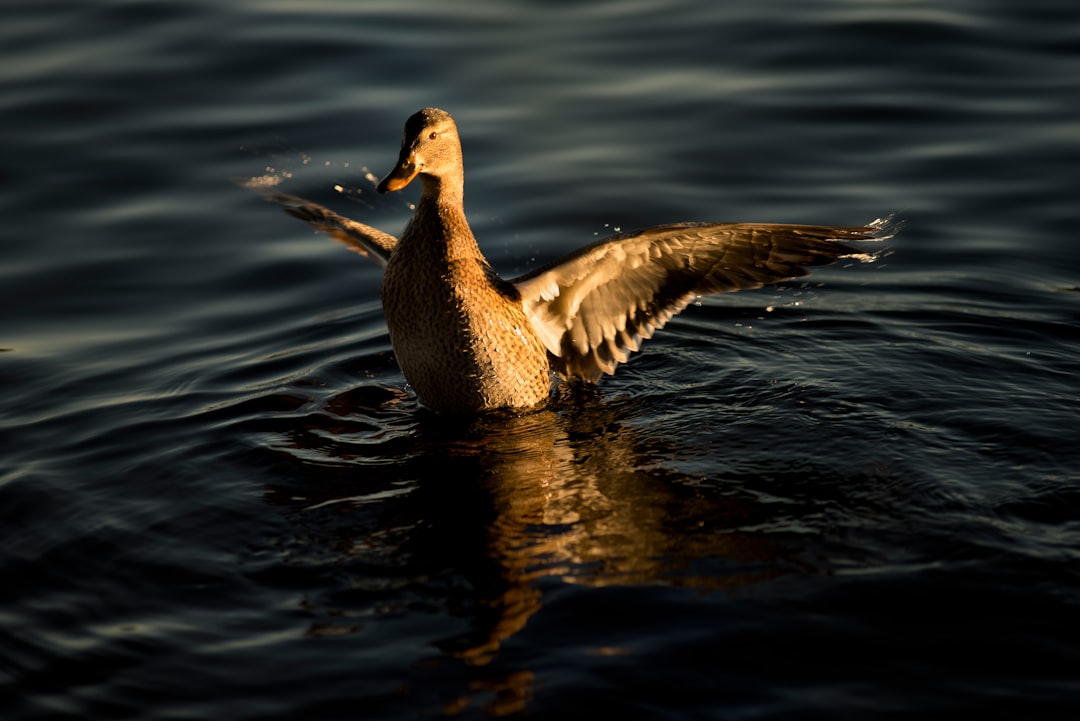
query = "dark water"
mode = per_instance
[{"x": 854, "y": 497}]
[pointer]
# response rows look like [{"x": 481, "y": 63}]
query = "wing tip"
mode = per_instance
[
  {"x": 886, "y": 227},
  {"x": 877, "y": 230}
]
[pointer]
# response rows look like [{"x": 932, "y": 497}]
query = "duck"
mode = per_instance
[{"x": 469, "y": 341}]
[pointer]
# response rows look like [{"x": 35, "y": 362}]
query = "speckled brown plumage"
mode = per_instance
[
  {"x": 468, "y": 341},
  {"x": 459, "y": 332}
]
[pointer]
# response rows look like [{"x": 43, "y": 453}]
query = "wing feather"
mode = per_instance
[
  {"x": 593, "y": 308},
  {"x": 363, "y": 239}
]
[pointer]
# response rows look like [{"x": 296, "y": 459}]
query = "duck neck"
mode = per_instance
[{"x": 440, "y": 214}]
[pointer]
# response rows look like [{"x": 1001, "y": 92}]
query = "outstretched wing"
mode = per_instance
[
  {"x": 594, "y": 307},
  {"x": 364, "y": 239}
]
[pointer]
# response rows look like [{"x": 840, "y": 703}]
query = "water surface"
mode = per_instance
[{"x": 854, "y": 496}]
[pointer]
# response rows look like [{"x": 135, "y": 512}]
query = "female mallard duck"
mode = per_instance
[{"x": 469, "y": 341}]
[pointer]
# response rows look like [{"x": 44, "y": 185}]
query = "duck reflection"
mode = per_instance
[
  {"x": 576, "y": 494},
  {"x": 579, "y": 497}
]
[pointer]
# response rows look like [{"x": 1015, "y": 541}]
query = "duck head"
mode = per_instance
[{"x": 430, "y": 147}]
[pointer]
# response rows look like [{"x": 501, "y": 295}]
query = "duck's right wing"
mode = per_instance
[{"x": 364, "y": 239}]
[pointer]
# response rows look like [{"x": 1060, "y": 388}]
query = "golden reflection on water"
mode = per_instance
[{"x": 576, "y": 496}]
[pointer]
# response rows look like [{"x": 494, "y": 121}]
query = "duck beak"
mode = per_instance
[{"x": 402, "y": 174}]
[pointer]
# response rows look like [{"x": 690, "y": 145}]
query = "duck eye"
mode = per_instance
[{"x": 432, "y": 135}]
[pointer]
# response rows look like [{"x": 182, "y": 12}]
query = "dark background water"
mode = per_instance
[{"x": 854, "y": 497}]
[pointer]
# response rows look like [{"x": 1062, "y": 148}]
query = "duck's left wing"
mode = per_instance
[
  {"x": 364, "y": 239},
  {"x": 594, "y": 307}
]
